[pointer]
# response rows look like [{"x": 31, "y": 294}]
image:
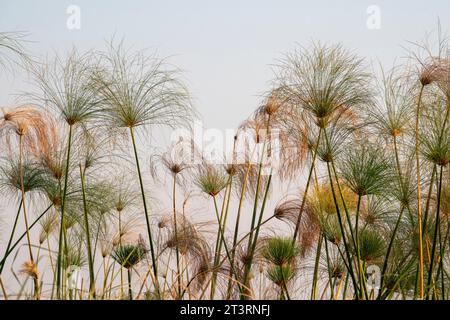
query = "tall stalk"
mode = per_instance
[
  {"x": 120, "y": 243},
  {"x": 388, "y": 252},
  {"x": 252, "y": 225},
  {"x": 436, "y": 229},
  {"x": 316, "y": 269},
  {"x": 88, "y": 236},
  {"x": 419, "y": 196},
  {"x": 440, "y": 271},
  {"x": 338, "y": 211},
  {"x": 430, "y": 191},
  {"x": 25, "y": 216},
  {"x": 363, "y": 289},
  {"x": 252, "y": 247},
  {"x": 147, "y": 220},
  {"x": 222, "y": 237},
  {"x": 5, "y": 295},
  {"x": 175, "y": 228},
  {"x": 284, "y": 285},
  {"x": 22, "y": 188},
  {"x": 305, "y": 194},
  {"x": 230, "y": 185},
  {"x": 218, "y": 248},
  {"x": 11, "y": 235},
  {"x": 130, "y": 292},
  {"x": 397, "y": 159},
  {"x": 255, "y": 203},
  {"x": 238, "y": 219},
  {"x": 228, "y": 256},
  {"x": 7, "y": 253},
  {"x": 61, "y": 228},
  {"x": 342, "y": 229}
]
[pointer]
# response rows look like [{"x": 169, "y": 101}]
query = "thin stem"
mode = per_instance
[
  {"x": 230, "y": 184},
  {"x": 130, "y": 292},
  {"x": 222, "y": 235},
  {"x": 330, "y": 276},
  {"x": 419, "y": 196},
  {"x": 255, "y": 203},
  {"x": 363, "y": 289},
  {"x": 2, "y": 262},
  {"x": 218, "y": 248},
  {"x": 225, "y": 258},
  {"x": 316, "y": 269},
  {"x": 430, "y": 191},
  {"x": 397, "y": 159},
  {"x": 61, "y": 228},
  {"x": 258, "y": 227},
  {"x": 284, "y": 285},
  {"x": 238, "y": 216},
  {"x": 147, "y": 220},
  {"x": 88, "y": 236},
  {"x": 12, "y": 233},
  {"x": 216, "y": 258},
  {"x": 341, "y": 227},
  {"x": 436, "y": 228},
  {"x": 440, "y": 270},
  {"x": 5, "y": 295},
  {"x": 25, "y": 216},
  {"x": 297, "y": 225},
  {"x": 388, "y": 252},
  {"x": 24, "y": 206},
  {"x": 177, "y": 252}
]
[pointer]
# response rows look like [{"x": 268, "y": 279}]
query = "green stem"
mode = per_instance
[
  {"x": 255, "y": 203},
  {"x": 258, "y": 227},
  {"x": 88, "y": 236},
  {"x": 2, "y": 262},
  {"x": 238, "y": 218},
  {"x": 24, "y": 207},
  {"x": 397, "y": 159},
  {"x": 419, "y": 197},
  {"x": 222, "y": 235},
  {"x": 330, "y": 276},
  {"x": 440, "y": 270},
  {"x": 61, "y": 228},
  {"x": 227, "y": 257},
  {"x": 284, "y": 285},
  {"x": 430, "y": 191},
  {"x": 252, "y": 225},
  {"x": 386, "y": 259},
  {"x": 25, "y": 216},
  {"x": 363, "y": 289},
  {"x": 147, "y": 220},
  {"x": 316, "y": 269},
  {"x": 338, "y": 184},
  {"x": 177, "y": 252},
  {"x": 218, "y": 248},
  {"x": 12, "y": 233},
  {"x": 341, "y": 227},
  {"x": 297, "y": 224},
  {"x": 230, "y": 282},
  {"x": 130, "y": 292},
  {"x": 436, "y": 228},
  {"x": 344, "y": 293}
]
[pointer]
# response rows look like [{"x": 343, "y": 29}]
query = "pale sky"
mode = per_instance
[{"x": 225, "y": 47}]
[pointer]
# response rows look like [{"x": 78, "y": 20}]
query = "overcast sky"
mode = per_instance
[{"x": 225, "y": 47}]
